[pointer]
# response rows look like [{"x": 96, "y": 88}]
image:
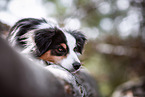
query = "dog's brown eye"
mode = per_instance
[
  {"x": 75, "y": 49},
  {"x": 60, "y": 49}
]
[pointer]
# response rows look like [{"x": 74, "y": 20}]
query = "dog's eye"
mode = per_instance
[
  {"x": 76, "y": 49},
  {"x": 60, "y": 49}
]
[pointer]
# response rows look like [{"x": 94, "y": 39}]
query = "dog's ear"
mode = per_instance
[
  {"x": 80, "y": 40},
  {"x": 26, "y": 24},
  {"x": 43, "y": 40},
  {"x": 22, "y": 27}
]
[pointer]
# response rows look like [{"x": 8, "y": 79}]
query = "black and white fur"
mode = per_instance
[{"x": 48, "y": 42}]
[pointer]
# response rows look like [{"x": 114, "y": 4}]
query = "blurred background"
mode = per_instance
[{"x": 115, "y": 29}]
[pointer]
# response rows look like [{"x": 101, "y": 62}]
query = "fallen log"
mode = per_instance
[{"x": 20, "y": 77}]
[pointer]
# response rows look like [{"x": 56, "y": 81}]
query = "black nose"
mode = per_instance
[{"x": 76, "y": 65}]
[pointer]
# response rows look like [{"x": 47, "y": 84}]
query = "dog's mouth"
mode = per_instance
[
  {"x": 72, "y": 70},
  {"x": 48, "y": 63}
]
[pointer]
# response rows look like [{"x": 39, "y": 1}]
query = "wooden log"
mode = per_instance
[{"x": 20, "y": 77}]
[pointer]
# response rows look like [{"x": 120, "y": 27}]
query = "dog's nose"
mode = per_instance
[{"x": 76, "y": 65}]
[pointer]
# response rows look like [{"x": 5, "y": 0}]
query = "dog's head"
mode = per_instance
[{"x": 50, "y": 43}]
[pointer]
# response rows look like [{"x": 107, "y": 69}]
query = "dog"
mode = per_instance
[{"x": 48, "y": 42}]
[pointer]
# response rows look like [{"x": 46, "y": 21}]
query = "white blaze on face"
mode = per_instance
[{"x": 71, "y": 57}]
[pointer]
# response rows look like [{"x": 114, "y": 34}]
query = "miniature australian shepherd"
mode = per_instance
[{"x": 48, "y": 42}]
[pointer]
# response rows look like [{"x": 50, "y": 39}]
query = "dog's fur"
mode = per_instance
[{"x": 48, "y": 42}]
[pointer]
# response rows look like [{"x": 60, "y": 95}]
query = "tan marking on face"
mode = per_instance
[
  {"x": 63, "y": 45},
  {"x": 48, "y": 57}
]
